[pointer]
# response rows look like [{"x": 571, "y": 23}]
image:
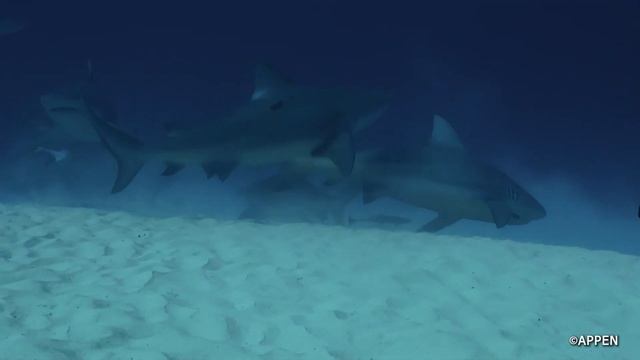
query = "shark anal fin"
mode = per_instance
[
  {"x": 500, "y": 212},
  {"x": 222, "y": 169},
  {"x": 172, "y": 169},
  {"x": 339, "y": 148},
  {"x": 440, "y": 222},
  {"x": 127, "y": 170}
]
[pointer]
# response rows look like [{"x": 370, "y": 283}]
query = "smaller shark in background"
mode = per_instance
[
  {"x": 283, "y": 122},
  {"x": 66, "y": 107},
  {"x": 446, "y": 178},
  {"x": 443, "y": 177}
]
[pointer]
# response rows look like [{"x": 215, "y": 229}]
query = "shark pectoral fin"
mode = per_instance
[
  {"x": 339, "y": 148},
  {"x": 500, "y": 212},
  {"x": 439, "y": 223},
  {"x": 172, "y": 169},
  {"x": 222, "y": 169},
  {"x": 370, "y": 192},
  {"x": 128, "y": 168}
]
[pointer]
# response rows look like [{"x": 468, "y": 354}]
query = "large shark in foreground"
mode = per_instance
[
  {"x": 282, "y": 123},
  {"x": 443, "y": 177}
]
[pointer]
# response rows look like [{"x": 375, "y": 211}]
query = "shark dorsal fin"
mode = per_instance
[
  {"x": 444, "y": 135},
  {"x": 269, "y": 84}
]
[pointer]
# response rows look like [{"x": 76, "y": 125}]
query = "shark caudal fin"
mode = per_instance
[{"x": 127, "y": 150}]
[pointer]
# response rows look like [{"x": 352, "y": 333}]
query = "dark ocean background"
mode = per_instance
[{"x": 547, "y": 90}]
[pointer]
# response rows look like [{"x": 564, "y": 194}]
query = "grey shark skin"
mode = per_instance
[
  {"x": 444, "y": 178},
  {"x": 282, "y": 122},
  {"x": 447, "y": 179},
  {"x": 66, "y": 107}
]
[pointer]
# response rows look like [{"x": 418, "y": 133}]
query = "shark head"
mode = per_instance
[
  {"x": 66, "y": 107},
  {"x": 523, "y": 207},
  {"x": 494, "y": 196}
]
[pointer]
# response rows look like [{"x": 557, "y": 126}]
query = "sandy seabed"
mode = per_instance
[{"x": 88, "y": 284}]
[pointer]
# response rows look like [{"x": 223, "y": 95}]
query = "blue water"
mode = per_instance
[{"x": 545, "y": 90}]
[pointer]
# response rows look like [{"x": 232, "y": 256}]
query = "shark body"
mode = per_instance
[
  {"x": 281, "y": 123},
  {"x": 443, "y": 177}
]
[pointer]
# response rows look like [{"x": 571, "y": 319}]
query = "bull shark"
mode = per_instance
[
  {"x": 282, "y": 122},
  {"x": 66, "y": 106},
  {"x": 445, "y": 178}
]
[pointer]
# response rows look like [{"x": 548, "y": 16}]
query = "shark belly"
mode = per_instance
[
  {"x": 457, "y": 201},
  {"x": 285, "y": 152}
]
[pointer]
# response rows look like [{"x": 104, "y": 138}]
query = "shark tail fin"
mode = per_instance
[{"x": 126, "y": 149}]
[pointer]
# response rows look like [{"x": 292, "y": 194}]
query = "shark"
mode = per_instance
[
  {"x": 443, "y": 177},
  {"x": 282, "y": 122},
  {"x": 66, "y": 108},
  {"x": 446, "y": 178}
]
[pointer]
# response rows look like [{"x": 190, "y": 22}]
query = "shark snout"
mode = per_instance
[
  {"x": 535, "y": 211},
  {"x": 527, "y": 210}
]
